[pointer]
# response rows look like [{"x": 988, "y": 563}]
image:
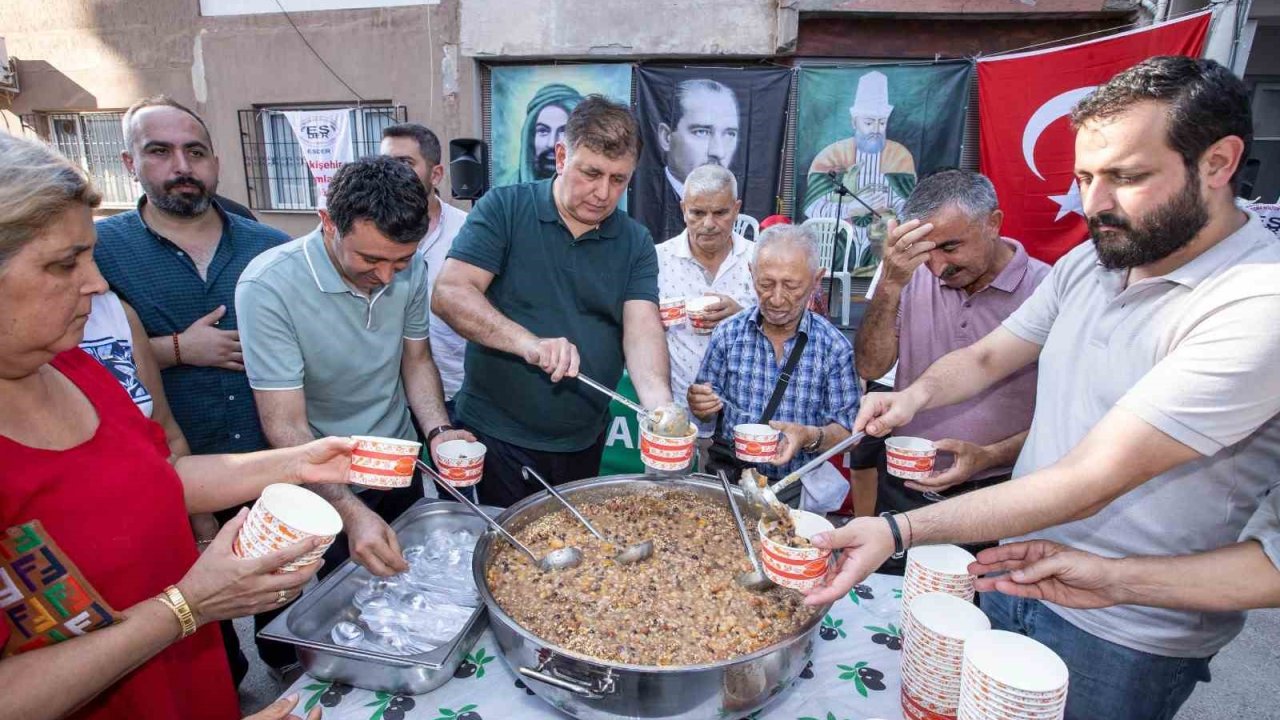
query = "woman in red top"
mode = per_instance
[{"x": 77, "y": 455}]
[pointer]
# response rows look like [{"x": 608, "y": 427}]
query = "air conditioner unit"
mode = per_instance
[{"x": 8, "y": 71}]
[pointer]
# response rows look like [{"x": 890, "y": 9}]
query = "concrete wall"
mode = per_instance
[
  {"x": 632, "y": 28},
  {"x": 965, "y": 7},
  {"x": 87, "y": 55}
]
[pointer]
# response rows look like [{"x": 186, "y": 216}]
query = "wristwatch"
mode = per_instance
[
  {"x": 817, "y": 443},
  {"x": 436, "y": 431}
]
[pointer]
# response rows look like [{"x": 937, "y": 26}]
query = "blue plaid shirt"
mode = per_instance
[
  {"x": 741, "y": 367},
  {"x": 214, "y": 407}
]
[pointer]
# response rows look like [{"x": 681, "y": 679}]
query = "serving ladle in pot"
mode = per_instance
[
  {"x": 670, "y": 420},
  {"x": 561, "y": 559},
  {"x": 763, "y": 499},
  {"x": 630, "y": 554},
  {"x": 754, "y": 579}
]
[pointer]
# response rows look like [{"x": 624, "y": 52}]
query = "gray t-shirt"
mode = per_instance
[
  {"x": 1192, "y": 353},
  {"x": 302, "y": 327},
  {"x": 1264, "y": 526}
]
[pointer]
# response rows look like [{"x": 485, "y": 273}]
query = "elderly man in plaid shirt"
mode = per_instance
[{"x": 749, "y": 351}]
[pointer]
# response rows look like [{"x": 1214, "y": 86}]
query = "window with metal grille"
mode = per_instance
[
  {"x": 275, "y": 174},
  {"x": 94, "y": 141}
]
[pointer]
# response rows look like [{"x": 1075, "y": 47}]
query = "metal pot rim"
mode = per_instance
[{"x": 486, "y": 542}]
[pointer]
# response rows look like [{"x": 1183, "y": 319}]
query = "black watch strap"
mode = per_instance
[
  {"x": 436, "y": 431},
  {"x": 898, "y": 549}
]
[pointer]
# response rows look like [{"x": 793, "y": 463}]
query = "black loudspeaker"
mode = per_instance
[{"x": 468, "y": 168}]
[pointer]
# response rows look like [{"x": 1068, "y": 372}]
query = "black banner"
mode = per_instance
[{"x": 691, "y": 116}]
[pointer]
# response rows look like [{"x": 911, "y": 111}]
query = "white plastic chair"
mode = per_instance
[
  {"x": 745, "y": 222},
  {"x": 827, "y": 229}
]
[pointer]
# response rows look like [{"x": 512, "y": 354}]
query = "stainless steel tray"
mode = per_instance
[{"x": 306, "y": 623}]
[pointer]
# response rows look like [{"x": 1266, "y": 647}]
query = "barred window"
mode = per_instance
[
  {"x": 94, "y": 141},
  {"x": 276, "y": 174}
]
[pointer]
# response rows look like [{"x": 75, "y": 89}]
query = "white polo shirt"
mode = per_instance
[
  {"x": 679, "y": 275},
  {"x": 447, "y": 346},
  {"x": 1193, "y": 353}
]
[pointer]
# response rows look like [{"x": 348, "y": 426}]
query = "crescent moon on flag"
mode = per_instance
[{"x": 1042, "y": 118}]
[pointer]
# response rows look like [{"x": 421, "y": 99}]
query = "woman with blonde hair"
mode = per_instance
[{"x": 106, "y": 603}]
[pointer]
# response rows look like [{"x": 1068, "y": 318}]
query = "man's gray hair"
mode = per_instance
[
  {"x": 972, "y": 192},
  {"x": 710, "y": 178},
  {"x": 801, "y": 236}
]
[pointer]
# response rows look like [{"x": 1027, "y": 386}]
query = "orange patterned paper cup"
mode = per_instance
[
  {"x": 696, "y": 309},
  {"x": 807, "y": 525},
  {"x": 461, "y": 462},
  {"x": 383, "y": 463},
  {"x": 672, "y": 311},
  {"x": 667, "y": 453},
  {"x": 909, "y": 458},
  {"x": 754, "y": 442}
]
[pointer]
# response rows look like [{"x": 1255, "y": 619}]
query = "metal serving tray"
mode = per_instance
[{"x": 306, "y": 623}]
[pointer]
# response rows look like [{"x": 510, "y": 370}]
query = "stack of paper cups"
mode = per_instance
[
  {"x": 282, "y": 516},
  {"x": 935, "y": 630},
  {"x": 937, "y": 568},
  {"x": 1006, "y": 675}
]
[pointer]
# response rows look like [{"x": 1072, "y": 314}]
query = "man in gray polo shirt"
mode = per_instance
[
  {"x": 1156, "y": 430},
  {"x": 334, "y": 330}
]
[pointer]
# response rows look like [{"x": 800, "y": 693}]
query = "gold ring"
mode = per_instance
[{"x": 282, "y": 597}]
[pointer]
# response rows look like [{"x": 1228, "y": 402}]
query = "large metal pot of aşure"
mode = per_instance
[{"x": 596, "y": 689}]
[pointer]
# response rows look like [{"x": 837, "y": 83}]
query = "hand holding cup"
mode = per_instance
[{"x": 221, "y": 585}]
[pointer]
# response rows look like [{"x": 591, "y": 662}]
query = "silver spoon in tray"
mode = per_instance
[
  {"x": 561, "y": 559},
  {"x": 631, "y": 554}
]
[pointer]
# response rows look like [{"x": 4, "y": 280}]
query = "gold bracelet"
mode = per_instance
[{"x": 172, "y": 598}]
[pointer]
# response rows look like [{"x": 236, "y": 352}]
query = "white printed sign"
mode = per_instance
[
  {"x": 1270, "y": 215},
  {"x": 325, "y": 139}
]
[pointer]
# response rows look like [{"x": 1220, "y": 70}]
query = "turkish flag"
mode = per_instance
[{"x": 1028, "y": 146}]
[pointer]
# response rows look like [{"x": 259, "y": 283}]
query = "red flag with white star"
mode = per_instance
[{"x": 1028, "y": 146}]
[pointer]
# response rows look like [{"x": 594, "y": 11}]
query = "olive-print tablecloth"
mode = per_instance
[{"x": 853, "y": 676}]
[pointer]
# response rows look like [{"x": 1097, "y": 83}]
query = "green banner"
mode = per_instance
[
  {"x": 874, "y": 129},
  {"x": 622, "y": 443}
]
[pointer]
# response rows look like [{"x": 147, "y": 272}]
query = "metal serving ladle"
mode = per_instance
[
  {"x": 754, "y": 580},
  {"x": 670, "y": 420},
  {"x": 764, "y": 501},
  {"x": 631, "y": 554},
  {"x": 561, "y": 559}
]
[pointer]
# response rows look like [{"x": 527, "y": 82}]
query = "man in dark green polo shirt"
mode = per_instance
[{"x": 544, "y": 279}]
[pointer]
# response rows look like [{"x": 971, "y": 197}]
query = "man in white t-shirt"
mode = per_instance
[
  {"x": 418, "y": 147},
  {"x": 708, "y": 258}
]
